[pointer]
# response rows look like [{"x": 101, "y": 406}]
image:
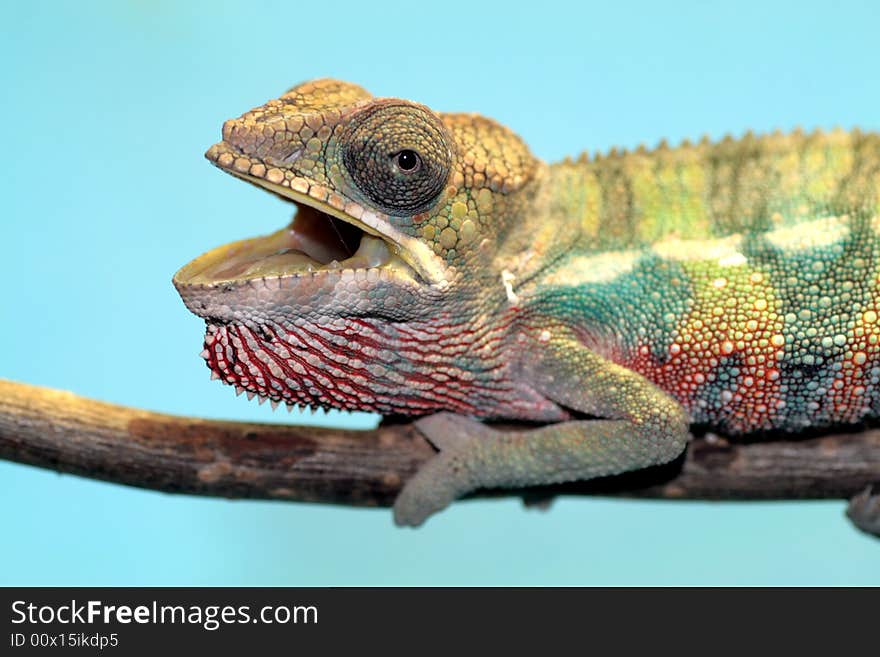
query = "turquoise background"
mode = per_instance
[{"x": 107, "y": 109}]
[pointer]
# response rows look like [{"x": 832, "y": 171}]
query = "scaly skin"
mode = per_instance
[{"x": 731, "y": 284}]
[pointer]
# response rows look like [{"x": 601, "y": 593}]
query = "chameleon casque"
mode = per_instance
[{"x": 434, "y": 267}]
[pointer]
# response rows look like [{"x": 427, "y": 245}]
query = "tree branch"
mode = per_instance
[{"x": 64, "y": 432}]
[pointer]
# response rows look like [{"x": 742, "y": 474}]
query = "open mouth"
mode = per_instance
[
  {"x": 319, "y": 239},
  {"x": 313, "y": 242}
]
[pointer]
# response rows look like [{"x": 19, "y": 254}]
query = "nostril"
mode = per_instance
[
  {"x": 228, "y": 127},
  {"x": 243, "y": 136},
  {"x": 260, "y": 138}
]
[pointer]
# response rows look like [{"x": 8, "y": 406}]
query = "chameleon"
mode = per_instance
[{"x": 435, "y": 267}]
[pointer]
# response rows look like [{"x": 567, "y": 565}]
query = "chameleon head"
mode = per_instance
[{"x": 399, "y": 211}]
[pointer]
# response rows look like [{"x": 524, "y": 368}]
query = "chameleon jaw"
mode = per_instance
[{"x": 408, "y": 254}]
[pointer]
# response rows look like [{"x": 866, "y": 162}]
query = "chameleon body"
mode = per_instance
[{"x": 435, "y": 267}]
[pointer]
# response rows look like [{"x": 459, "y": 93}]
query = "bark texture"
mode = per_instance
[{"x": 72, "y": 434}]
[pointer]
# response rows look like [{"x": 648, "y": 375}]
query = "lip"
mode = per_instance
[{"x": 328, "y": 234}]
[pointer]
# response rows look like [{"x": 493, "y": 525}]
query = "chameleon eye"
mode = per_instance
[
  {"x": 407, "y": 161},
  {"x": 397, "y": 155}
]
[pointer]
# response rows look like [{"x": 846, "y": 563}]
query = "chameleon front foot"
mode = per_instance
[
  {"x": 473, "y": 455},
  {"x": 444, "y": 477},
  {"x": 864, "y": 511}
]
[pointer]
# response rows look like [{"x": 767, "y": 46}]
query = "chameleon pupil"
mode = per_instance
[{"x": 407, "y": 160}]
